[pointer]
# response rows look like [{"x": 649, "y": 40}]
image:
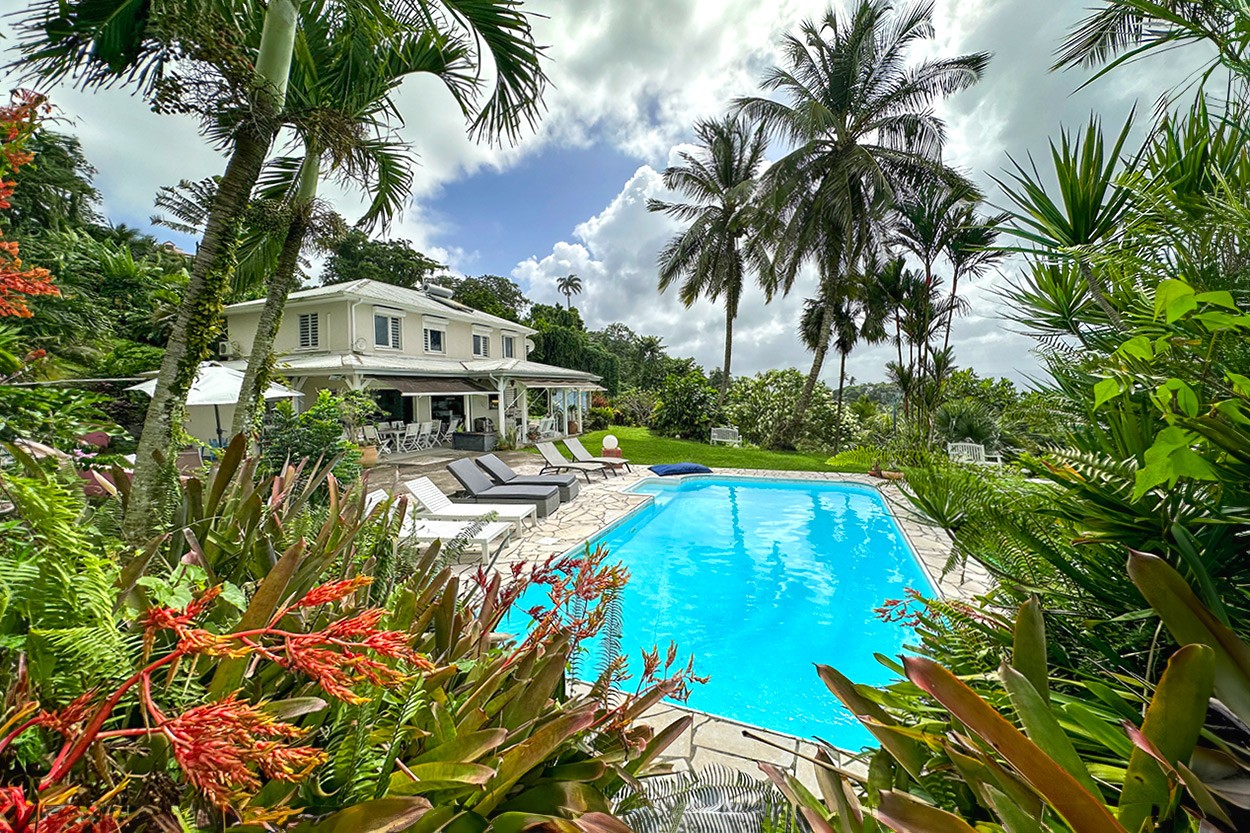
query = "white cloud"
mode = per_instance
[{"x": 635, "y": 76}]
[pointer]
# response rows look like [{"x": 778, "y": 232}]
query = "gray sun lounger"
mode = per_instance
[
  {"x": 503, "y": 474},
  {"x": 545, "y": 498}
]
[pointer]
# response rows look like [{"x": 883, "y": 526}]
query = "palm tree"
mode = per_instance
[
  {"x": 859, "y": 315},
  {"x": 857, "y": 112},
  {"x": 721, "y": 240},
  {"x": 569, "y": 286},
  {"x": 971, "y": 253},
  {"x": 340, "y": 98},
  {"x": 1122, "y": 31},
  {"x": 104, "y": 42},
  {"x": 925, "y": 220}
]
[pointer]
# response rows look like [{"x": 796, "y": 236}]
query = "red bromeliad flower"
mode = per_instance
[
  {"x": 222, "y": 747},
  {"x": 18, "y": 815},
  {"x": 331, "y": 592}
]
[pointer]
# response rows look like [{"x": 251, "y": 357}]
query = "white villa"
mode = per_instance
[{"x": 426, "y": 356}]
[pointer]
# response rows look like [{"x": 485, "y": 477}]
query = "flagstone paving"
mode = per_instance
[{"x": 712, "y": 739}]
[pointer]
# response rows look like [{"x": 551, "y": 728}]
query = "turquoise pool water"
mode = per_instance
[{"x": 760, "y": 579}]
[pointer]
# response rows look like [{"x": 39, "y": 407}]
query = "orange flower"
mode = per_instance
[
  {"x": 332, "y": 592},
  {"x": 221, "y": 747}
]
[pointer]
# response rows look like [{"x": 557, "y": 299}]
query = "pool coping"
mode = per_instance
[{"x": 713, "y": 738}]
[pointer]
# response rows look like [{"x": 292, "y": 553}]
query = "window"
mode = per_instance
[
  {"x": 309, "y": 330},
  {"x": 386, "y": 330},
  {"x": 434, "y": 334},
  {"x": 434, "y": 341},
  {"x": 481, "y": 345},
  {"x": 509, "y": 347}
]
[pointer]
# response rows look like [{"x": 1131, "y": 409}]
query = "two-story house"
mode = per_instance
[{"x": 425, "y": 356}]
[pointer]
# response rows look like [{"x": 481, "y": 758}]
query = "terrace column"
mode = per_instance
[{"x": 503, "y": 410}]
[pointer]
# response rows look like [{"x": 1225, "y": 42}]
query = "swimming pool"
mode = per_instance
[{"x": 760, "y": 579}]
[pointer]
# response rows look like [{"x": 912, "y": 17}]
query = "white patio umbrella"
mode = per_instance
[{"x": 217, "y": 385}]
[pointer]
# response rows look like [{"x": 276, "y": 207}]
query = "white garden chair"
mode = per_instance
[
  {"x": 966, "y": 452},
  {"x": 726, "y": 435},
  {"x": 453, "y": 425},
  {"x": 373, "y": 437},
  {"x": 408, "y": 441}
]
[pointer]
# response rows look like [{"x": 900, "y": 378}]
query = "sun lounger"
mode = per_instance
[
  {"x": 581, "y": 455},
  {"x": 553, "y": 460},
  {"x": 502, "y": 473},
  {"x": 544, "y": 498},
  {"x": 484, "y": 535},
  {"x": 435, "y": 504}
]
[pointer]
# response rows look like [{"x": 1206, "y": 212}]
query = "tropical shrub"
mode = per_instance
[
  {"x": 762, "y": 406},
  {"x": 965, "y": 420},
  {"x": 53, "y": 416},
  {"x": 295, "y": 664},
  {"x": 129, "y": 358},
  {"x": 599, "y": 418},
  {"x": 685, "y": 407},
  {"x": 313, "y": 434},
  {"x": 1010, "y": 751},
  {"x": 633, "y": 406}
]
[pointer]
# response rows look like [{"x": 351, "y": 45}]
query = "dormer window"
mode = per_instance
[
  {"x": 387, "y": 328},
  {"x": 309, "y": 330},
  {"x": 481, "y": 342}
]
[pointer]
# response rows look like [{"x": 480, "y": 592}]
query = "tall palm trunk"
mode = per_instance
[
  {"x": 818, "y": 364},
  {"x": 259, "y": 360},
  {"x": 729, "y": 349},
  {"x": 950, "y": 311},
  {"x": 197, "y": 322},
  {"x": 837, "y": 437}
]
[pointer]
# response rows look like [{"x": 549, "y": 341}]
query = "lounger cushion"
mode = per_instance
[
  {"x": 667, "y": 469},
  {"x": 501, "y": 472},
  {"x": 545, "y": 498}
]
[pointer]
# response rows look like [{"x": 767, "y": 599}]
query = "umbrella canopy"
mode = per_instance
[{"x": 217, "y": 385}]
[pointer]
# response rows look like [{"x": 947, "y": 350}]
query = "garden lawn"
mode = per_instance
[{"x": 641, "y": 447}]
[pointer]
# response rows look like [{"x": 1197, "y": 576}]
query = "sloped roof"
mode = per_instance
[
  {"x": 388, "y": 295},
  {"x": 370, "y": 364}
]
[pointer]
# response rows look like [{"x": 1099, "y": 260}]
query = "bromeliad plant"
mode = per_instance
[
  {"x": 1024, "y": 754},
  {"x": 294, "y": 663},
  {"x": 222, "y": 747}
]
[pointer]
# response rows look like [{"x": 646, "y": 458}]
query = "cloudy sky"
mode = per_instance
[{"x": 629, "y": 78}]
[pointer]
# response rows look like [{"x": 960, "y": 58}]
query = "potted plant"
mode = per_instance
[{"x": 356, "y": 409}]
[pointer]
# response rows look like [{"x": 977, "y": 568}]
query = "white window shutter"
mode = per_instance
[{"x": 395, "y": 322}]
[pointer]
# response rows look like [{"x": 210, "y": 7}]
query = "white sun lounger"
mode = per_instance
[
  {"x": 426, "y": 531},
  {"x": 436, "y": 505}
]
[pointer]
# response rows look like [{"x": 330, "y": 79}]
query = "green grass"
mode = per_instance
[{"x": 641, "y": 447}]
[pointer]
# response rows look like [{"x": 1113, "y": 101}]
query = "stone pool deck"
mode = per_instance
[{"x": 713, "y": 739}]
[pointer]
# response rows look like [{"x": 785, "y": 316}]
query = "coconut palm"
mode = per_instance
[
  {"x": 856, "y": 109},
  {"x": 569, "y": 286},
  {"x": 860, "y": 315},
  {"x": 104, "y": 42},
  {"x": 340, "y": 104},
  {"x": 971, "y": 253},
  {"x": 721, "y": 241}
]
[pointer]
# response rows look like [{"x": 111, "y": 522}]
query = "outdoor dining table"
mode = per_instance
[{"x": 392, "y": 436}]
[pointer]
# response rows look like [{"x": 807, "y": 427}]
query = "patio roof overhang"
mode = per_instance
[
  {"x": 555, "y": 384},
  {"x": 432, "y": 386}
]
